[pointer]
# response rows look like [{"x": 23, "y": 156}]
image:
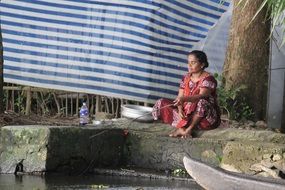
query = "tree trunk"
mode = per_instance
[
  {"x": 247, "y": 57},
  {"x": 1, "y": 74}
]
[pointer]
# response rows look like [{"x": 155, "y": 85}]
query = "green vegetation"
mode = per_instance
[
  {"x": 179, "y": 173},
  {"x": 20, "y": 103},
  {"x": 99, "y": 186},
  {"x": 235, "y": 107},
  {"x": 220, "y": 158}
]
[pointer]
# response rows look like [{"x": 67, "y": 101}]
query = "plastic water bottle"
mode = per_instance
[{"x": 84, "y": 114}]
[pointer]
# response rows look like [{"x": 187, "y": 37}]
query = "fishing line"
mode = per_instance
[{"x": 132, "y": 120}]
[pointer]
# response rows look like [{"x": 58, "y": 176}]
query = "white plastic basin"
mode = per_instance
[{"x": 138, "y": 113}]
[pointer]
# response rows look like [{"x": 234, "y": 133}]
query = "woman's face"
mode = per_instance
[{"x": 194, "y": 66}]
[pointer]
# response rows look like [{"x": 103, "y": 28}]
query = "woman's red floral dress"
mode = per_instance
[{"x": 206, "y": 108}]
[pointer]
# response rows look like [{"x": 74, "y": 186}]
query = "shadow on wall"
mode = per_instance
[{"x": 77, "y": 151}]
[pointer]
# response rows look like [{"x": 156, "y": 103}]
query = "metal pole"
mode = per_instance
[
  {"x": 1, "y": 73},
  {"x": 269, "y": 82},
  {"x": 283, "y": 109}
]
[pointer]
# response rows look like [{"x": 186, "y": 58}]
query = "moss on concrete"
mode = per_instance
[{"x": 23, "y": 143}]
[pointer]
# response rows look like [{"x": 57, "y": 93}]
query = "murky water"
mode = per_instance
[{"x": 54, "y": 182}]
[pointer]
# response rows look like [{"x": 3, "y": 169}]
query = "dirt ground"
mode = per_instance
[{"x": 11, "y": 118}]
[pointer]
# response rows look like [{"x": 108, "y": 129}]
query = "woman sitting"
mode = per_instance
[{"x": 196, "y": 104}]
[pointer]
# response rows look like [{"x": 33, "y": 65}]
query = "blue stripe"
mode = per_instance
[
  {"x": 169, "y": 18},
  {"x": 106, "y": 11},
  {"x": 95, "y": 35},
  {"x": 210, "y": 7},
  {"x": 90, "y": 78},
  {"x": 148, "y": 37},
  {"x": 110, "y": 20},
  {"x": 95, "y": 52},
  {"x": 100, "y": 44},
  {"x": 98, "y": 64},
  {"x": 221, "y": 2},
  {"x": 92, "y": 26},
  {"x": 148, "y": 10},
  {"x": 176, "y": 2},
  {"x": 102, "y": 62},
  {"x": 90, "y": 69},
  {"x": 82, "y": 86},
  {"x": 183, "y": 14}
]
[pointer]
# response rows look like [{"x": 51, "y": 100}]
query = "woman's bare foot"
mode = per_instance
[
  {"x": 177, "y": 132},
  {"x": 171, "y": 134},
  {"x": 186, "y": 134}
]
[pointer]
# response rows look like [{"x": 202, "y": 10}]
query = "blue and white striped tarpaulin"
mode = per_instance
[{"x": 131, "y": 49}]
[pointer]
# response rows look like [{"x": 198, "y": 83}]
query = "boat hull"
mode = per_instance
[{"x": 212, "y": 178}]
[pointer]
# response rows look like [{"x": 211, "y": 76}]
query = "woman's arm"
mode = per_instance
[
  {"x": 180, "y": 94},
  {"x": 204, "y": 93},
  {"x": 179, "y": 106}
]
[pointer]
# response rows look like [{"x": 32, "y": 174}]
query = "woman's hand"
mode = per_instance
[
  {"x": 178, "y": 101},
  {"x": 181, "y": 112},
  {"x": 181, "y": 99}
]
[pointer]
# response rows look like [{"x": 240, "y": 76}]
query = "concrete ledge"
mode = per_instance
[
  {"x": 58, "y": 149},
  {"x": 123, "y": 142},
  {"x": 233, "y": 134}
]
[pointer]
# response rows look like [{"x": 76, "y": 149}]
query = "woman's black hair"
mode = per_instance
[{"x": 201, "y": 56}]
